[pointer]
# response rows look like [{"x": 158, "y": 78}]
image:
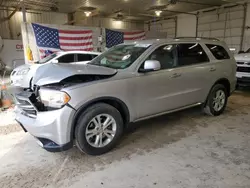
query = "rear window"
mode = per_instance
[
  {"x": 189, "y": 54},
  {"x": 218, "y": 51},
  {"x": 85, "y": 57}
]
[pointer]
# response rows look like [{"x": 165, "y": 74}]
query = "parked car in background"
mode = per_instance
[
  {"x": 22, "y": 75},
  {"x": 243, "y": 69},
  {"x": 92, "y": 104}
]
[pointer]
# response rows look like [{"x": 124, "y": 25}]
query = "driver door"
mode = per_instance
[{"x": 157, "y": 91}]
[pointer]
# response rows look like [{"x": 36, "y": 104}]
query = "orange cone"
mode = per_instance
[{"x": 6, "y": 101}]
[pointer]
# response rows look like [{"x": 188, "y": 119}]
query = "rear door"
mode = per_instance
[
  {"x": 194, "y": 68},
  {"x": 223, "y": 64}
]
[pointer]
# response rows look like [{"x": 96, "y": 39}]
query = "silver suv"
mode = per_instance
[{"x": 92, "y": 104}]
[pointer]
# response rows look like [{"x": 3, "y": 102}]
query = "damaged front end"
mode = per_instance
[
  {"x": 46, "y": 92},
  {"x": 28, "y": 104},
  {"x": 74, "y": 80}
]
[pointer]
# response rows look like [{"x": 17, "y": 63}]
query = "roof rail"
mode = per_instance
[{"x": 197, "y": 38}]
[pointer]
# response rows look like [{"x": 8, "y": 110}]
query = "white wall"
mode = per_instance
[
  {"x": 167, "y": 27},
  {"x": 12, "y": 53},
  {"x": 224, "y": 24},
  {"x": 186, "y": 25},
  {"x": 246, "y": 40}
]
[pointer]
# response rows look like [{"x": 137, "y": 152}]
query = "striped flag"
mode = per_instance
[
  {"x": 57, "y": 39},
  {"x": 116, "y": 37},
  {"x": 133, "y": 36}
]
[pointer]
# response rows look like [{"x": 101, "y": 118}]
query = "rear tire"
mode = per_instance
[
  {"x": 216, "y": 101},
  {"x": 98, "y": 129}
]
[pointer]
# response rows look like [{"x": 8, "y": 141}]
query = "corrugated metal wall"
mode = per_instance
[
  {"x": 4, "y": 26},
  {"x": 224, "y": 24},
  {"x": 166, "y": 26},
  {"x": 12, "y": 29},
  {"x": 44, "y": 17}
]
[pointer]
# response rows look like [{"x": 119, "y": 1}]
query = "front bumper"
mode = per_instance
[
  {"x": 243, "y": 81},
  {"x": 13, "y": 90},
  {"x": 51, "y": 128}
]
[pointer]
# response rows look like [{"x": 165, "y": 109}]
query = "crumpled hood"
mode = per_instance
[
  {"x": 25, "y": 66},
  {"x": 54, "y": 73},
  {"x": 242, "y": 57}
]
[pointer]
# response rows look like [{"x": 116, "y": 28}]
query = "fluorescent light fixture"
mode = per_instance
[
  {"x": 191, "y": 47},
  {"x": 158, "y": 12},
  {"x": 232, "y": 49},
  {"x": 87, "y": 13}
]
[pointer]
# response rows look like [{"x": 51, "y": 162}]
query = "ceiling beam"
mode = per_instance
[
  {"x": 198, "y": 3},
  {"x": 179, "y": 12},
  {"x": 11, "y": 14}
]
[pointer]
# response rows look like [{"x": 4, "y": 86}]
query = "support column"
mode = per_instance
[{"x": 23, "y": 12}]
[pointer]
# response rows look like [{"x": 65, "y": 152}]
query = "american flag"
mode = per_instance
[
  {"x": 116, "y": 37},
  {"x": 57, "y": 39}
]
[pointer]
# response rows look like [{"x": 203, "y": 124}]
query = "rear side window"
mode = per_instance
[
  {"x": 68, "y": 58},
  {"x": 218, "y": 51},
  {"x": 85, "y": 57},
  {"x": 191, "y": 53}
]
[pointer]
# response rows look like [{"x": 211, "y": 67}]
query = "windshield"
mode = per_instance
[
  {"x": 46, "y": 59},
  {"x": 120, "y": 57}
]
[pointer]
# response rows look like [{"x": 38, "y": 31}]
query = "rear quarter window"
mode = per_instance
[{"x": 218, "y": 51}]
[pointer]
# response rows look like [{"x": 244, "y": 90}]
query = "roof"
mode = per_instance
[
  {"x": 79, "y": 52},
  {"x": 181, "y": 39}
]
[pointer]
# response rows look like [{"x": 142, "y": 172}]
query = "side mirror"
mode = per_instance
[
  {"x": 150, "y": 65},
  {"x": 54, "y": 61}
]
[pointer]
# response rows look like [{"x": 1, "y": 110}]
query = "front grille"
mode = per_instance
[
  {"x": 13, "y": 73},
  {"x": 29, "y": 104},
  {"x": 240, "y": 63},
  {"x": 26, "y": 106},
  {"x": 243, "y": 69}
]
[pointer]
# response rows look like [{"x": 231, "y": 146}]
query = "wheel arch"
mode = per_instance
[
  {"x": 226, "y": 83},
  {"x": 113, "y": 101},
  {"x": 223, "y": 81}
]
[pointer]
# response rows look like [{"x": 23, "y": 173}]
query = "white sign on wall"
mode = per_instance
[{"x": 12, "y": 53}]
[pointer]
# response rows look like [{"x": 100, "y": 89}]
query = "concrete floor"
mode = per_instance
[{"x": 181, "y": 150}]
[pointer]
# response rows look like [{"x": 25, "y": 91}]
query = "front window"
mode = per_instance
[
  {"x": 46, "y": 59},
  {"x": 121, "y": 56}
]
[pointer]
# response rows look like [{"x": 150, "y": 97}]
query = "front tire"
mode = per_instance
[
  {"x": 217, "y": 100},
  {"x": 98, "y": 129}
]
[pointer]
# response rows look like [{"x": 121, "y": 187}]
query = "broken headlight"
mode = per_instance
[{"x": 53, "y": 98}]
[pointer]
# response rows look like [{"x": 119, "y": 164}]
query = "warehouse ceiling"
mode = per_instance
[{"x": 118, "y": 9}]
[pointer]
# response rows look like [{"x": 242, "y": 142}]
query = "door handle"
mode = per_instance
[
  {"x": 212, "y": 69},
  {"x": 176, "y": 75}
]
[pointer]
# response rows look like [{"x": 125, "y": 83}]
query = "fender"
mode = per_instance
[{"x": 125, "y": 111}]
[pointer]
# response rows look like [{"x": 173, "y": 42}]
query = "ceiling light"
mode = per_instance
[
  {"x": 158, "y": 12},
  {"x": 87, "y": 13}
]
